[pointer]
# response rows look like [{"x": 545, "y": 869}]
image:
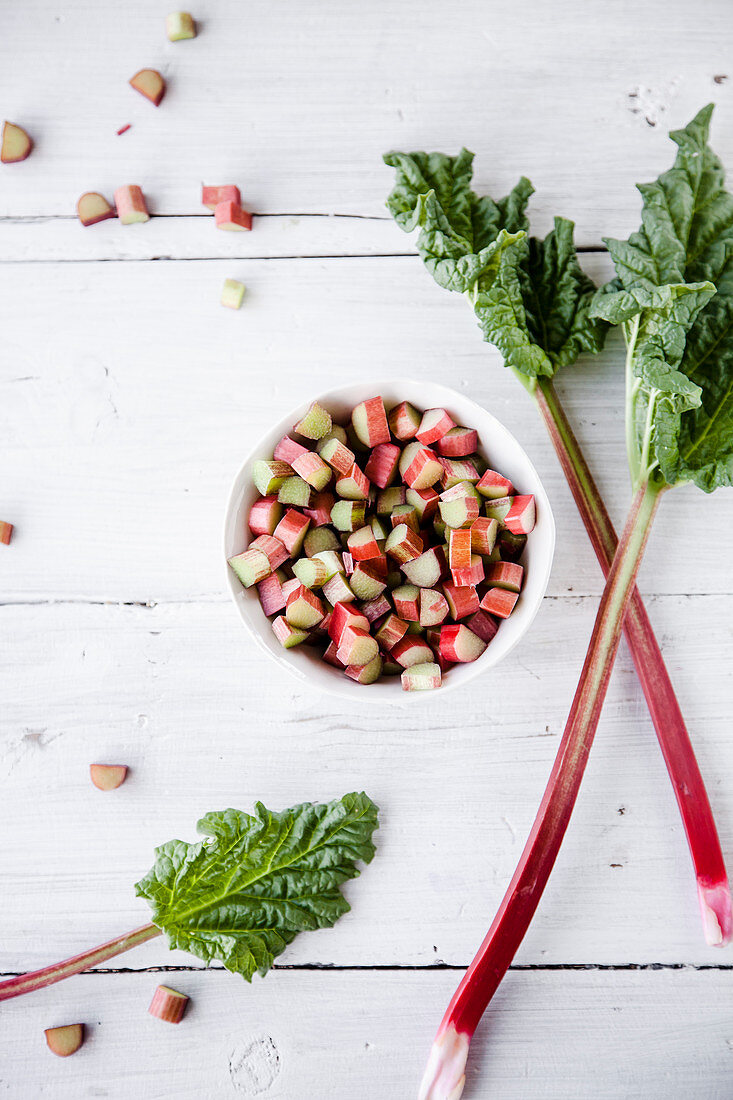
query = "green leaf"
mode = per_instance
[
  {"x": 531, "y": 297},
  {"x": 243, "y": 894},
  {"x": 686, "y": 237}
]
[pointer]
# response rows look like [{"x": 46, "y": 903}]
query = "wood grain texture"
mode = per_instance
[{"x": 325, "y": 1036}]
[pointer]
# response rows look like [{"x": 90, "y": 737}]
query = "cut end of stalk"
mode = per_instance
[
  {"x": 167, "y": 1004},
  {"x": 717, "y": 913},
  {"x": 445, "y": 1075}
]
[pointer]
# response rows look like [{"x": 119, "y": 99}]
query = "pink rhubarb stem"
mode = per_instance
[
  {"x": 444, "y": 1075},
  {"x": 48, "y": 975},
  {"x": 674, "y": 739}
]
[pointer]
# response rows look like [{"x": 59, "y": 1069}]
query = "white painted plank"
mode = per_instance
[
  {"x": 181, "y": 694},
  {"x": 129, "y": 404},
  {"x": 298, "y": 102},
  {"x": 324, "y": 1036}
]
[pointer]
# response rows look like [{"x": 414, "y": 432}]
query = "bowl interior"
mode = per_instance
[{"x": 502, "y": 452}]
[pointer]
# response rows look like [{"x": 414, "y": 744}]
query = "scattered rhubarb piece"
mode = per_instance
[
  {"x": 108, "y": 777},
  {"x": 130, "y": 203},
  {"x": 149, "y": 83},
  {"x": 168, "y": 1005},
  {"x": 123, "y": 129},
  {"x": 232, "y": 294},
  {"x": 212, "y": 196},
  {"x": 16, "y": 144},
  {"x": 315, "y": 424},
  {"x": 93, "y": 207},
  {"x": 179, "y": 25},
  {"x": 230, "y": 216},
  {"x": 6, "y": 532},
  {"x": 64, "y": 1040}
]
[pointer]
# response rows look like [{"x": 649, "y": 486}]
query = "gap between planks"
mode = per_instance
[{"x": 397, "y": 968}]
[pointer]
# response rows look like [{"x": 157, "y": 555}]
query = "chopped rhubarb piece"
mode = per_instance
[
  {"x": 389, "y": 499},
  {"x": 370, "y": 422},
  {"x": 179, "y": 25},
  {"x": 354, "y": 485},
  {"x": 303, "y": 608},
  {"x": 405, "y": 513},
  {"x": 107, "y": 777},
  {"x": 271, "y": 594},
  {"x": 344, "y": 615},
  {"x": 520, "y": 519},
  {"x": 470, "y": 575},
  {"x": 483, "y": 535},
  {"x": 311, "y": 572},
  {"x": 422, "y": 677},
  {"x": 404, "y": 420},
  {"x": 365, "y": 581},
  {"x": 427, "y": 569},
  {"x": 290, "y": 586},
  {"x": 268, "y": 476},
  {"x": 287, "y": 635},
  {"x": 493, "y": 485},
  {"x": 376, "y": 608},
  {"x": 406, "y": 600},
  {"x": 232, "y": 294},
  {"x": 424, "y": 501},
  {"x": 356, "y": 647},
  {"x": 338, "y": 590},
  {"x": 419, "y": 466},
  {"x": 511, "y": 546},
  {"x": 130, "y": 203},
  {"x": 320, "y": 539},
  {"x": 212, "y": 196},
  {"x": 6, "y": 532},
  {"x": 382, "y": 465},
  {"x": 168, "y": 1005},
  {"x": 390, "y": 667},
  {"x": 505, "y": 574},
  {"x": 483, "y": 625},
  {"x": 499, "y": 602},
  {"x": 291, "y": 531},
  {"x": 498, "y": 509},
  {"x": 64, "y": 1040},
  {"x": 462, "y": 601},
  {"x": 392, "y": 631},
  {"x": 275, "y": 550},
  {"x": 459, "y": 644},
  {"x": 348, "y": 515},
  {"x": 455, "y": 470},
  {"x": 433, "y": 607},
  {"x": 312, "y": 469},
  {"x": 149, "y": 83},
  {"x": 330, "y": 559},
  {"x": 93, "y": 207},
  {"x": 434, "y": 425},
  {"x": 315, "y": 424},
  {"x": 379, "y": 530},
  {"x": 330, "y": 656},
  {"x": 294, "y": 491},
  {"x": 230, "y": 216},
  {"x": 251, "y": 567},
  {"x": 264, "y": 516},
  {"x": 368, "y": 673},
  {"x": 459, "y": 547},
  {"x": 363, "y": 545},
  {"x": 458, "y": 508},
  {"x": 319, "y": 508},
  {"x": 16, "y": 144},
  {"x": 348, "y": 563},
  {"x": 411, "y": 651},
  {"x": 403, "y": 544},
  {"x": 287, "y": 450},
  {"x": 338, "y": 433},
  {"x": 457, "y": 443},
  {"x": 338, "y": 455}
]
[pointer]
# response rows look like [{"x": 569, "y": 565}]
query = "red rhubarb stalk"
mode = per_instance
[
  {"x": 674, "y": 739},
  {"x": 444, "y": 1077},
  {"x": 49, "y": 975}
]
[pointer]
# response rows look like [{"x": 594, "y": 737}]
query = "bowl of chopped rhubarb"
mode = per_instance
[{"x": 390, "y": 538}]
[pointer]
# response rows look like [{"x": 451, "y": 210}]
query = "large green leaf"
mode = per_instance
[
  {"x": 530, "y": 296},
  {"x": 686, "y": 236},
  {"x": 242, "y": 895}
]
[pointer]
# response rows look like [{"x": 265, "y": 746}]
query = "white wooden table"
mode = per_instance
[{"x": 128, "y": 396}]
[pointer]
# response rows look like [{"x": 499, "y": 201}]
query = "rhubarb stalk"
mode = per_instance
[
  {"x": 444, "y": 1076},
  {"x": 674, "y": 740}
]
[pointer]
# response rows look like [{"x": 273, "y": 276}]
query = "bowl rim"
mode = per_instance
[{"x": 342, "y": 687}]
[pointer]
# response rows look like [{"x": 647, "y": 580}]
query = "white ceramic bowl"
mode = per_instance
[{"x": 503, "y": 453}]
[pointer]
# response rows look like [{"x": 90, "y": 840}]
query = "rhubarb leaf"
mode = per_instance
[
  {"x": 686, "y": 236},
  {"x": 243, "y": 894},
  {"x": 530, "y": 296}
]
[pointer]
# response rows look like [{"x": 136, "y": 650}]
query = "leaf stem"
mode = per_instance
[
  {"x": 48, "y": 975},
  {"x": 632, "y": 386},
  {"x": 669, "y": 723}
]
